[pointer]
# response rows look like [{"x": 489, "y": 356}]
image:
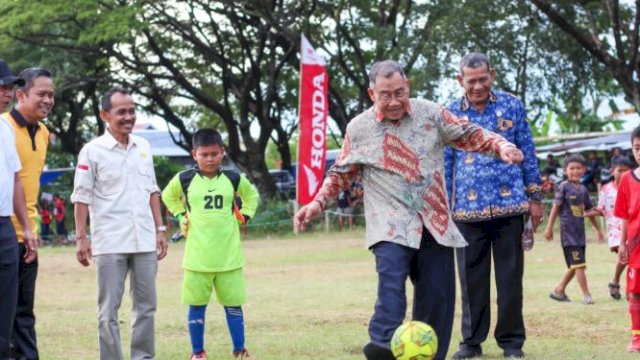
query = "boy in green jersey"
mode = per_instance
[{"x": 203, "y": 199}]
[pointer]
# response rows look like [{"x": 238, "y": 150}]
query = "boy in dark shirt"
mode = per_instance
[{"x": 572, "y": 203}]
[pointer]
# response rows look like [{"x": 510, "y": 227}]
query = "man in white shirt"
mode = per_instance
[
  {"x": 12, "y": 199},
  {"x": 115, "y": 183}
]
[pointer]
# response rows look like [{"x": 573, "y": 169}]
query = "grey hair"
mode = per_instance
[
  {"x": 105, "y": 103},
  {"x": 385, "y": 68},
  {"x": 474, "y": 60}
]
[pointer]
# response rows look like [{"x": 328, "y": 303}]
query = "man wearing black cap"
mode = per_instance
[
  {"x": 12, "y": 200},
  {"x": 7, "y": 81},
  {"x": 34, "y": 100}
]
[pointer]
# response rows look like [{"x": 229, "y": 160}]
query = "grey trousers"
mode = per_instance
[{"x": 112, "y": 273}]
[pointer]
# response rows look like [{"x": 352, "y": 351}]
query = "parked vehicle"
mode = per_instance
[{"x": 285, "y": 183}]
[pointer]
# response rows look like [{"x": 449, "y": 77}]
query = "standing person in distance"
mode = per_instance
[
  {"x": 115, "y": 183},
  {"x": 60, "y": 212},
  {"x": 606, "y": 205}
]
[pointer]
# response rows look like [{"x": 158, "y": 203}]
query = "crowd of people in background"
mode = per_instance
[
  {"x": 49, "y": 211},
  {"x": 349, "y": 203},
  {"x": 598, "y": 171}
]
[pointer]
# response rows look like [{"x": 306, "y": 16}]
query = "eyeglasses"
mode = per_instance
[{"x": 386, "y": 97}]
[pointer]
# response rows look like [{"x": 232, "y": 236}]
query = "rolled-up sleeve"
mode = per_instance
[{"x": 84, "y": 179}]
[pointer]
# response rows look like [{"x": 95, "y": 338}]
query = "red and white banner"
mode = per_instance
[{"x": 312, "y": 112}]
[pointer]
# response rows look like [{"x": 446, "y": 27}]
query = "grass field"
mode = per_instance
[{"x": 311, "y": 298}]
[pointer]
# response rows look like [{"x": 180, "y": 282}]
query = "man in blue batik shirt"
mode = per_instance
[{"x": 489, "y": 199}]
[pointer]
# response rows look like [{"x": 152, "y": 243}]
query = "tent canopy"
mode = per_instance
[{"x": 601, "y": 143}]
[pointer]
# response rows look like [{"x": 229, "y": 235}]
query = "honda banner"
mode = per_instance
[{"x": 312, "y": 113}]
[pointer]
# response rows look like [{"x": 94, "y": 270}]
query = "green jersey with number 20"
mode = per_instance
[{"x": 213, "y": 241}]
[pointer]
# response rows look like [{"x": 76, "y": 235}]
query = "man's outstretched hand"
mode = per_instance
[{"x": 306, "y": 214}]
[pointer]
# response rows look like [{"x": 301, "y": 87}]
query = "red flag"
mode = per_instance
[{"x": 312, "y": 112}]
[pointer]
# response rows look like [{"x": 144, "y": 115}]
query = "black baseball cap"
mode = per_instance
[{"x": 6, "y": 78}]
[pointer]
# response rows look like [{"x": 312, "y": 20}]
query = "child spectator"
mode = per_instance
[
  {"x": 547, "y": 186},
  {"x": 606, "y": 204},
  {"x": 45, "y": 220},
  {"x": 59, "y": 211},
  {"x": 213, "y": 258},
  {"x": 628, "y": 210},
  {"x": 345, "y": 208},
  {"x": 571, "y": 200}
]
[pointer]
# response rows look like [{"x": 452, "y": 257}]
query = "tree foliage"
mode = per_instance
[
  {"x": 234, "y": 65},
  {"x": 608, "y": 31}
]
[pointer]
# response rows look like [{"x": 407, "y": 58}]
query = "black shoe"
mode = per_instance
[
  {"x": 373, "y": 351},
  {"x": 468, "y": 352},
  {"x": 513, "y": 354}
]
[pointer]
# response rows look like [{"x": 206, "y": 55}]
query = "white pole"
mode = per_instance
[{"x": 326, "y": 221}]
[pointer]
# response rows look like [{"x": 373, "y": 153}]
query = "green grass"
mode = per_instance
[{"x": 311, "y": 297}]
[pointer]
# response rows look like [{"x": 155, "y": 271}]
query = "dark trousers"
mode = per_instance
[
  {"x": 503, "y": 237},
  {"x": 44, "y": 231},
  {"x": 60, "y": 228},
  {"x": 8, "y": 283},
  {"x": 24, "y": 325},
  {"x": 432, "y": 272}
]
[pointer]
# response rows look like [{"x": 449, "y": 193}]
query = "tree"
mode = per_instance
[
  {"x": 221, "y": 56},
  {"x": 234, "y": 65},
  {"x": 608, "y": 31},
  {"x": 79, "y": 77}
]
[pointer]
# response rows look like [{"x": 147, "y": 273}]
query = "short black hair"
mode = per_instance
[
  {"x": 574, "y": 158},
  {"x": 29, "y": 75},
  {"x": 105, "y": 103},
  {"x": 635, "y": 134},
  {"x": 621, "y": 161},
  {"x": 206, "y": 137}
]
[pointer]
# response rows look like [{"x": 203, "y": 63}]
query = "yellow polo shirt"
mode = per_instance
[{"x": 31, "y": 143}]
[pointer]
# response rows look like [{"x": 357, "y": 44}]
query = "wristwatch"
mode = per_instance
[{"x": 161, "y": 229}]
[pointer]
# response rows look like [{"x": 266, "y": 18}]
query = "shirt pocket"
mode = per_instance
[
  {"x": 145, "y": 177},
  {"x": 109, "y": 181}
]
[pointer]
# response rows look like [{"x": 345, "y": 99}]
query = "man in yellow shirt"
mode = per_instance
[{"x": 34, "y": 102}]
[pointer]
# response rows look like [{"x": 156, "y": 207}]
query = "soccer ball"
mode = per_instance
[{"x": 414, "y": 340}]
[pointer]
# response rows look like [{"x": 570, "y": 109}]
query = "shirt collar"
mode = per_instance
[
  {"x": 110, "y": 142},
  {"x": 380, "y": 116},
  {"x": 20, "y": 120},
  {"x": 199, "y": 172},
  {"x": 465, "y": 104}
]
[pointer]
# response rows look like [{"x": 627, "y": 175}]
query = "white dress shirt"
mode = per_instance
[
  {"x": 116, "y": 183},
  {"x": 9, "y": 166}
]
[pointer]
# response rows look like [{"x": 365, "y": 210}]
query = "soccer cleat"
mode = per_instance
[
  {"x": 634, "y": 344},
  {"x": 241, "y": 354},
  {"x": 202, "y": 355}
]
